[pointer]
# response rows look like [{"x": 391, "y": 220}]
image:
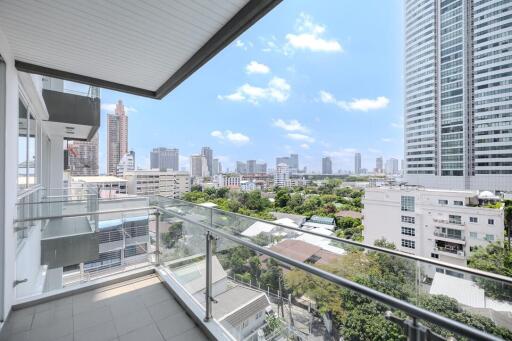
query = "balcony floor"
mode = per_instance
[{"x": 138, "y": 309}]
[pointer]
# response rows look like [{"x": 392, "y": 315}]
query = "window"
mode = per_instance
[
  {"x": 411, "y": 244},
  {"x": 245, "y": 324},
  {"x": 407, "y": 203},
  {"x": 489, "y": 237},
  {"x": 455, "y": 219},
  {"x": 473, "y": 219},
  {"x": 406, "y": 219},
  {"x": 490, "y": 221},
  {"x": 443, "y": 202},
  {"x": 259, "y": 314},
  {"x": 473, "y": 235},
  {"x": 458, "y": 203},
  {"x": 434, "y": 255},
  {"x": 408, "y": 231}
]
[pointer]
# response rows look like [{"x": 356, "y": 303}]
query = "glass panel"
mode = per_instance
[
  {"x": 31, "y": 164},
  {"x": 22, "y": 146}
]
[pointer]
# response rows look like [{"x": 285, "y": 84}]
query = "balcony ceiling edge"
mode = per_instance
[{"x": 249, "y": 14}]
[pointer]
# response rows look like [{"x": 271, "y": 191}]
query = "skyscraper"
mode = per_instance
[
  {"x": 457, "y": 94},
  {"x": 83, "y": 157},
  {"x": 215, "y": 167},
  {"x": 198, "y": 166},
  {"x": 357, "y": 163},
  {"x": 165, "y": 158},
  {"x": 294, "y": 162},
  {"x": 379, "y": 165},
  {"x": 207, "y": 152},
  {"x": 251, "y": 166},
  {"x": 326, "y": 165},
  {"x": 241, "y": 167},
  {"x": 283, "y": 159},
  {"x": 117, "y": 137},
  {"x": 392, "y": 166}
]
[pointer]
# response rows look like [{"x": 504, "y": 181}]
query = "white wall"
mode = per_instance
[{"x": 8, "y": 169}]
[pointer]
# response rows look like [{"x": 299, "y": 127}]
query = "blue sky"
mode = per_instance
[{"x": 313, "y": 77}]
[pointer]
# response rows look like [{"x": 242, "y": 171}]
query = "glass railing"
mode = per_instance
[
  {"x": 306, "y": 279},
  {"x": 261, "y": 280},
  {"x": 72, "y": 242}
]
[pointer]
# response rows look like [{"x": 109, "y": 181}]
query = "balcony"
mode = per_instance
[
  {"x": 450, "y": 237},
  {"x": 159, "y": 258},
  {"x": 450, "y": 222}
]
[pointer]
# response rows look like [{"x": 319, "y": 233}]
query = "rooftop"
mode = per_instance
[{"x": 98, "y": 179}]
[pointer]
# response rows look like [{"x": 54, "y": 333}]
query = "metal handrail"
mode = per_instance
[
  {"x": 71, "y": 215},
  {"x": 404, "y": 306},
  {"x": 80, "y": 200},
  {"x": 397, "y": 253},
  {"x": 28, "y": 191}
]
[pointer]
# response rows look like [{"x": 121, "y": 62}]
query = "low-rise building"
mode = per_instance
[
  {"x": 441, "y": 224},
  {"x": 107, "y": 186},
  {"x": 229, "y": 181},
  {"x": 155, "y": 182},
  {"x": 247, "y": 186}
]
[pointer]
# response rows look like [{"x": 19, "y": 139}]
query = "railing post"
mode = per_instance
[
  {"x": 208, "y": 292},
  {"x": 157, "y": 241}
]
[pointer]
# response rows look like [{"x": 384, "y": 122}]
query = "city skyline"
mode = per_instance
[{"x": 328, "y": 96}]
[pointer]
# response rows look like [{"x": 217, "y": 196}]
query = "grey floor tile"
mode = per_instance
[
  {"x": 147, "y": 333},
  {"x": 175, "y": 325},
  {"x": 128, "y": 322},
  {"x": 55, "y": 331},
  {"x": 100, "y": 332},
  {"x": 92, "y": 318},
  {"x": 165, "y": 309},
  {"x": 46, "y": 317}
]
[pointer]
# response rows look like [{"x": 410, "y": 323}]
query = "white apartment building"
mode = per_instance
[
  {"x": 457, "y": 94},
  {"x": 440, "y": 224},
  {"x": 106, "y": 185},
  {"x": 282, "y": 175},
  {"x": 247, "y": 186},
  {"x": 227, "y": 181},
  {"x": 155, "y": 182},
  {"x": 127, "y": 163}
]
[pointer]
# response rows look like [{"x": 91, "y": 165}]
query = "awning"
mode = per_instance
[{"x": 142, "y": 47}]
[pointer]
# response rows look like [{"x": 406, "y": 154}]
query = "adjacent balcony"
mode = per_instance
[
  {"x": 458, "y": 238},
  {"x": 165, "y": 269}
]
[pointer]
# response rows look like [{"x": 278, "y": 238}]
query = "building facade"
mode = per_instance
[
  {"x": 392, "y": 166},
  {"x": 127, "y": 163},
  {"x": 117, "y": 137},
  {"x": 198, "y": 166},
  {"x": 357, "y": 163},
  {"x": 155, "y": 182},
  {"x": 207, "y": 152},
  {"x": 441, "y": 224},
  {"x": 326, "y": 165},
  {"x": 282, "y": 175},
  {"x": 458, "y": 77},
  {"x": 165, "y": 159},
  {"x": 83, "y": 157}
]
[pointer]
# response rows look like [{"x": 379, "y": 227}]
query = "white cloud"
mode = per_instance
[
  {"x": 308, "y": 36},
  {"x": 386, "y": 139},
  {"x": 360, "y": 104},
  {"x": 292, "y": 125},
  {"x": 230, "y": 136},
  {"x": 243, "y": 45},
  {"x": 110, "y": 107},
  {"x": 300, "y": 137},
  {"x": 277, "y": 90},
  {"x": 305, "y": 146},
  {"x": 255, "y": 67}
]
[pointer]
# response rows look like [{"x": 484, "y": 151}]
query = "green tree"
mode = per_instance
[
  {"x": 385, "y": 244},
  {"x": 282, "y": 197},
  {"x": 196, "y": 188}
]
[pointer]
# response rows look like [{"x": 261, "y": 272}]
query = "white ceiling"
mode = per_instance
[{"x": 139, "y": 43}]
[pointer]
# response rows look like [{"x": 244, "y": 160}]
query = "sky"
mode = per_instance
[{"x": 317, "y": 78}]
